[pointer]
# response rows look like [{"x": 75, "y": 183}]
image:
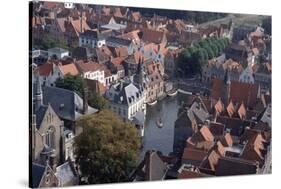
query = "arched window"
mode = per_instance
[{"x": 50, "y": 137}]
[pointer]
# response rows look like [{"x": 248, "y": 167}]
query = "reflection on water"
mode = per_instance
[{"x": 161, "y": 139}]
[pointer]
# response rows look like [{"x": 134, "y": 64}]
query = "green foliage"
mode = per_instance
[
  {"x": 191, "y": 59},
  {"x": 189, "y": 16},
  {"x": 48, "y": 42},
  {"x": 266, "y": 24},
  {"x": 73, "y": 83},
  {"x": 97, "y": 101},
  {"x": 107, "y": 150}
]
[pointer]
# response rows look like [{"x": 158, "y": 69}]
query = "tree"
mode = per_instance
[
  {"x": 48, "y": 42},
  {"x": 97, "y": 101},
  {"x": 107, "y": 150},
  {"x": 210, "y": 52},
  {"x": 73, "y": 83}
]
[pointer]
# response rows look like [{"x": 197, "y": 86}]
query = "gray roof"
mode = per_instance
[
  {"x": 95, "y": 35},
  {"x": 40, "y": 113},
  {"x": 57, "y": 50},
  {"x": 139, "y": 118},
  {"x": 197, "y": 112},
  {"x": 125, "y": 93},
  {"x": 66, "y": 174},
  {"x": 266, "y": 117},
  {"x": 118, "y": 41},
  {"x": 156, "y": 169},
  {"x": 114, "y": 26},
  {"x": 67, "y": 104},
  {"x": 37, "y": 174}
]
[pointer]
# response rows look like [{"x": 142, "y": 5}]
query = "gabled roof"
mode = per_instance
[
  {"x": 152, "y": 36},
  {"x": 193, "y": 154},
  {"x": 89, "y": 66},
  {"x": 189, "y": 174},
  {"x": 37, "y": 174},
  {"x": 68, "y": 69},
  {"x": 242, "y": 111},
  {"x": 232, "y": 166},
  {"x": 217, "y": 89},
  {"x": 45, "y": 69},
  {"x": 155, "y": 168},
  {"x": 230, "y": 109},
  {"x": 40, "y": 113},
  {"x": 67, "y": 104},
  {"x": 216, "y": 129},
  {"x": 234, "y": 124},
  {"x": 76, "y": 24},
  {"x": 66, "y": 174},
  {"x": 244, "y": 92},
  {"x": 207, "y": 135},
  {"x": 219, "y": 107}
]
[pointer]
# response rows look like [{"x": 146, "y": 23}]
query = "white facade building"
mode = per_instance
[
  {"x": 58, "y": 53},
  {"x": 92, "y": 38}
]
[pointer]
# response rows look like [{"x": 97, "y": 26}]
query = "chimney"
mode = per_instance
[
  {"x": 81, "y": 22},
  {"x": 52, "y": 162},
  {"x": 33, "y": 136},
  {"x": 85, "y": 100},
  {"x": 62, "y": 143},
  {"x": 38, "y": 100}
]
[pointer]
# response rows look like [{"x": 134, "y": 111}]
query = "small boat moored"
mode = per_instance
[
  {"x": 152, "y": 103},
  {"x": 159, "y": 122},
  {"x": 173, "y": 93}
]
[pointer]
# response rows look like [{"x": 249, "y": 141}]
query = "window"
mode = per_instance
[{"x": 50, "y": 137}]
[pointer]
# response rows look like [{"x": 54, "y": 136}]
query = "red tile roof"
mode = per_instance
[
  {"x": 187, "y": 174},
  {"x": 217, "y": 89},
  {"x": 242, "y": 111},
  {"x": 213, "y": 159},
  {"x": 220, "y": 148},
  {"x": 193, "y": 154},
  {"x": 90, "y": 66},
  {"x": 207, "y": 135},
  {"x": 216, "y": 129},
  {"x": 68, "y": 69},
  {"x": 244, "y": 92},
  {"x": 152, "y": 36},
  {"x": 45, "y": 69},
  {"x": 228, "y": 139},
  {"x": 76, "y": 25},
  {"x": 219, "y": 107},
  {"x": 230, "y": 109}
]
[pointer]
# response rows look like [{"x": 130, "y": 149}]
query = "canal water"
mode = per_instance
[{"x": 161, "y": 139}]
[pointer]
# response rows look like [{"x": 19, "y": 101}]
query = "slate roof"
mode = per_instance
[
  {"x": 66, "y": 174},
  {"x": 37, "y": 174},
  {"x": 119, "y": 41},
  {"x": 40, "y": 113},
  {"x": 124, "y": 93},
  {"x": 57, "y": 50},
  {"x": 139, "y": 118},
  {"x": 95, "y": 35},
  {"x": 67, "y": 104},
  {"x": 155, "y": 168},
  {"x": 266, "y": 117}
]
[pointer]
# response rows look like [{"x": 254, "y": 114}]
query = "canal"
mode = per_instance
[{"x": 161, "y": 139}]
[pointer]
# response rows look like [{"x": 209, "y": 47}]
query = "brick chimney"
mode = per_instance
[{"x": 81, "y": 22}]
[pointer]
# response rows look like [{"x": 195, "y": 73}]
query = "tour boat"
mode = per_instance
[
  {"x": 173, "y": 93},
  {"x": 159, "y": 122},
  {"x": 152, "y": 103},
  {"x": 184, "y": 92}
]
